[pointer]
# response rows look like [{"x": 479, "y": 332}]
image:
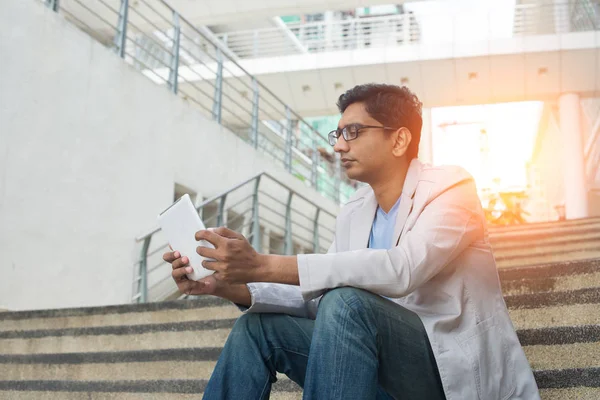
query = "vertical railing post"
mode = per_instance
[
  {"x": 314, "y": 171},
  {"x": 121, "y": 35},
  {"x": 338, "y": 177},
  {"x": 174, "y": 73},
  {"x": 288, "y": 140},
  {"x": 143, "y": 272},
  {"x": 217, "y": 106},
  {"x": 255, "y": 44},
  {"x": 221, "y": 215},
  {"x": 256, "y": 239},
  {"x": 316, "y": 232},
  {"x": 255, "y": 99},
  {"x": 406, "y": 34},
  {"x": 53, "y": 5},
  {"x": 288, "y": 246}
]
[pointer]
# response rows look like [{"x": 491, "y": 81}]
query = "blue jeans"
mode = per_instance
[{"x": 361, "y": 346}]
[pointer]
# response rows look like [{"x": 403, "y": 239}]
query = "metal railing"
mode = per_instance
[
  {"x": 152, "y": 37},
  {"x": 553, "y": 17},
  {"x": 315, "y": 37},
  {"x": 271, "y": 215},
  {"x": 543, "y": 17}
]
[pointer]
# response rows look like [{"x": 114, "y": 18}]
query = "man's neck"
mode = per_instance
[{"x": 389, "y": 188}]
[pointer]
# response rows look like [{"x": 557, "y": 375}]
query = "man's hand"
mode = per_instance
[
  {"x": 236, "y": 260},
  {"x": 181, "y": 267}
]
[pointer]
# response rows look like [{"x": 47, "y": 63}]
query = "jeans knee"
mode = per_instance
[
  {"x": 260, "y": 327},
  {"x": 248, "y": 323},
  {"x": 340, "y": 298}
]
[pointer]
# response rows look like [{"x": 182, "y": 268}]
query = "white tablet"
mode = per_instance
[{"x": 180, "y": 222}]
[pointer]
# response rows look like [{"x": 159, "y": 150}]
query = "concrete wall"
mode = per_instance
[{"x": 90, "y": 151}]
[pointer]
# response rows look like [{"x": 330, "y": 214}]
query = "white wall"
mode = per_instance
[{"x": 90, "y": 151}]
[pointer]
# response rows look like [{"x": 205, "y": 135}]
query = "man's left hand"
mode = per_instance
[{"x": 236, "y": 260}]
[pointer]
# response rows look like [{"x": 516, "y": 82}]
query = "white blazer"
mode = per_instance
[{"x": 442, "y": 268}]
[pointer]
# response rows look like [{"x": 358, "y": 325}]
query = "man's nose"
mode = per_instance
[{"x": 341, "y": 145}]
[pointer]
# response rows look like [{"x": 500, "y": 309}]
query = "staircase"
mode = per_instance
[{"x": 166, "y": 350}]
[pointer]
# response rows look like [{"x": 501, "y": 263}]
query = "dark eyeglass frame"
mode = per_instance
[{"x": 350, "y": 132}]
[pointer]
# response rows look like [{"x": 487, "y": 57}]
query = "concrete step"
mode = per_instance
[
  {"x": 550, "y": 231},
  {"x": 184, "y": 386},
  {"x": 580, "y": 393},
  {"x": 541, "y": 357},
  {"x": 556, "y": 316},
  {"x": 214, "y": 332},
  {"x": 551, "y": 240},
  {"x": 62, "y": 395},
  {"x": 547, "y": 299},
  {"x": 560, "y": 269},
  {"x": 134, "y": 316},
  {"x": 146, "y": 387},
  {"x": 531, "y": 259},
  {"x": 546, "y": 379},
  {"x": 546, "y": 243},
  {"x": 563, "y": 276},
  {"x": 546, "y": 336},
  {"x": 540, "y": 226},
  {"x": 527, "y": 249},
  {"x": 552, "y": 284},
  {"x": 186, "y": 335},
  {"x": 551, "y": 351},
  {"x": 568, "y": 307}
]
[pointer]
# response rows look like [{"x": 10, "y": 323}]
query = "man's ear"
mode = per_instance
[{"x": 403, "y": 138}]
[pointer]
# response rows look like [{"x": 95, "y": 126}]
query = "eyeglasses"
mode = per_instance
[{"x": 350, "y": 132}]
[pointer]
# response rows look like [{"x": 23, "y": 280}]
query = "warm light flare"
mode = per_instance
[{"x": 493, "y": 142}]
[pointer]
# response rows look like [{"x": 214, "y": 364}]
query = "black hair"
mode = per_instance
[{"x": 392, "y": 106}]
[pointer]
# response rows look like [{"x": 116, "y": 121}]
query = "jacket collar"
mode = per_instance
[{"x": 362, "y": 218}]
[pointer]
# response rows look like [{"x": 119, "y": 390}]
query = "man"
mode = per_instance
[{"x": 407, "y": 302}]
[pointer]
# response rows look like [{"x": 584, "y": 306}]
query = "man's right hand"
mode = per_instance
[{"x": 181, "y": 267}]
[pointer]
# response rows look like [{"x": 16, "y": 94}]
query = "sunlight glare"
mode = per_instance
[{"x": 459, "y": 138}]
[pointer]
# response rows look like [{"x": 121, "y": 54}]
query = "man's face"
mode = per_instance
[{"x": 366, "y": 157}]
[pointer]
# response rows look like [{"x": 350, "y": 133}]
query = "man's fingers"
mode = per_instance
[
  {"x": 207, "y": 252},
  {"x": 171, "y": 256},
  {"x": 180, "y": 262},
  {"x": 210, "y": 236},
  {"x": 211, "y": 265},
  {"x": 228, "y": 233},
  {"x": 179, "y": 274}
]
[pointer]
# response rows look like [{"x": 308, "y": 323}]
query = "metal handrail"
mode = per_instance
[
  {"x": 322, "y": 36},
  {"x": 543, "y": 17},
  {"x": 310, "y": 232},
  {"x": 154, "y": 38},
  {"x": 232, "y": 60}
]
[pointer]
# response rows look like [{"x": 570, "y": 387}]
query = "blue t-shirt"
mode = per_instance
[{"x": 382, "y": 231}]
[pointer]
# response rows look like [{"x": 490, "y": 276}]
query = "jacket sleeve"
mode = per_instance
[
  {"x": 446, "y": 226},
  {"x": 282, "y": 299}
]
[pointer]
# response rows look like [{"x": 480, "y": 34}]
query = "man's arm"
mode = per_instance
[
  {"x": 239, "y": 294},
  {"x": 445, "y": 228},
  {"x": 268, "y": 297}
]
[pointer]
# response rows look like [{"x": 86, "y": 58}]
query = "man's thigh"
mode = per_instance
[
  {"x": 288, "y": 339},
  {"x": 286, "y": 342},
  {"x": 407, "y": 365}
]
